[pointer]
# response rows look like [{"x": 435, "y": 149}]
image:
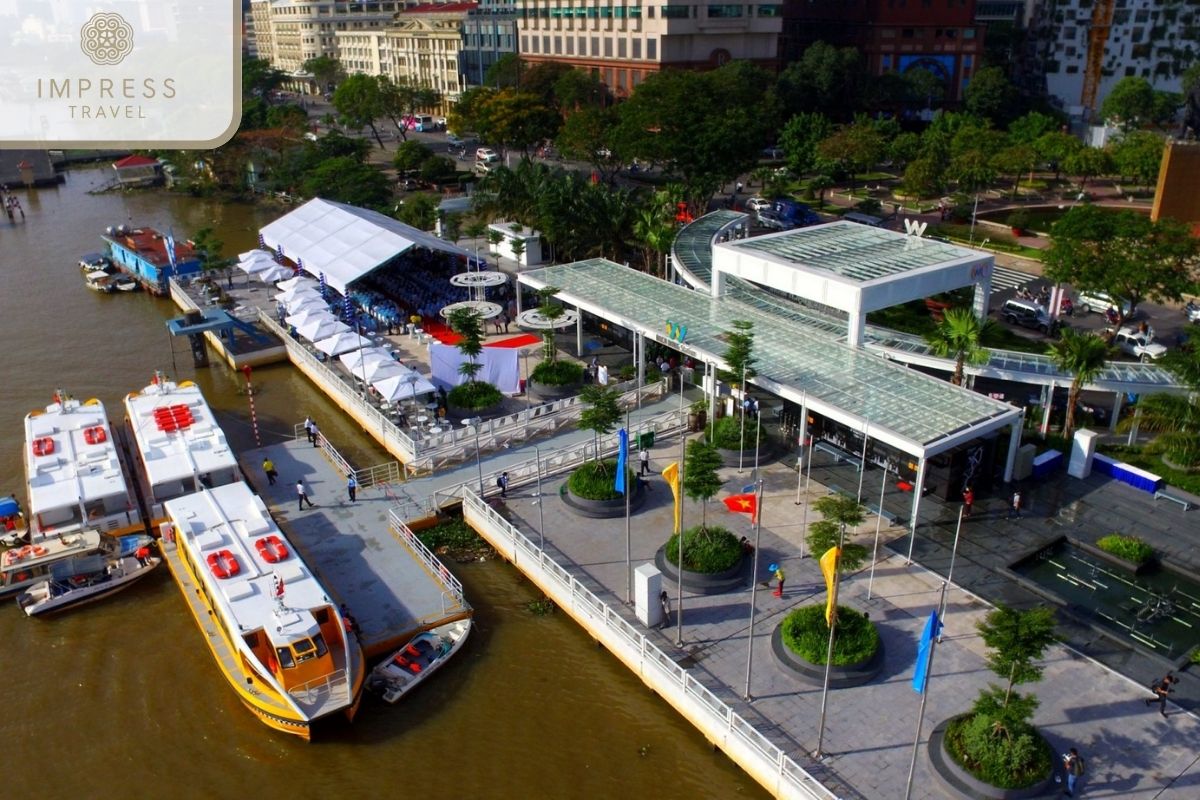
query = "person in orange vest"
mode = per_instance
[{"x": 779, "y": 576}]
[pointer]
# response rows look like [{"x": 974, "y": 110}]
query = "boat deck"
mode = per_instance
[{"x": 389, "y": 589}]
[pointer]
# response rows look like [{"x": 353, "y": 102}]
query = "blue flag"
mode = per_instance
[
  {"x": 169, "y": 246},
  {"x": 622, "y": 457},
  {"x": 921, "y": 674}
]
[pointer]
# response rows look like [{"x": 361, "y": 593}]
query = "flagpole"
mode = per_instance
[
  {"x": 807, "y": 488},
  {"x": 912, "y": 764},
  {"x": 950, "y": 574},
  {"x": 878, "y": 524},
  {"x": 758, "y": 512},
  {"x": 628, "y": 536},
  {"x": 833, "y": 616},
  {"x": 757, "y": 440},
  {"x": 679, "y": 582},
  {"x": 800, "y": 464},
  {"x": 742, "y": 434},
  {"x": 862, "y": 462}
]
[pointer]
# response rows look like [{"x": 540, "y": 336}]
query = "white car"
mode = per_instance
[
  {"x": 1099, "y": 302},
  {"x": 486, "y": 155},
  {"x": 757, "y": 204},
  {"x": 1140, "y": 345}
]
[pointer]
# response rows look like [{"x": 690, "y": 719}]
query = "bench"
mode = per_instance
[
  {"x": 839, "y": 455},
  {"x": 1161, "y": 495},
  {"x": 889, "y": 516}
]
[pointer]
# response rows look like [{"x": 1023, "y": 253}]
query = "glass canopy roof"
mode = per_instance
[
  {"x": 692, "y": 248},
  {"x": 913, "y": 406},
  {"x": 853, "y": 251}
]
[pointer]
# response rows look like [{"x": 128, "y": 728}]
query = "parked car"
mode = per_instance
[
  {"x": 486, "y": 155},
  {"x": 757, "y": 204},
  {"x": 1139, "y": 344},
  {"x": 1028, "y": 314},
  {"x": 484, "y": 167},
  {"x": 1192, "y": 311},
  {"x": 1099, "y": 302},
  {"x": 408, "y": 184},
  {"x": 784, "y": 215},
  {"x": 772, "y": 153}
]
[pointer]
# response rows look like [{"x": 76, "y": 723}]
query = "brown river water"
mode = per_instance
[{"x": 121, "y": 699}]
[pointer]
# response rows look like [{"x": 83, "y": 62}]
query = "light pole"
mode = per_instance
[
  {"x": 974, "y": 211},
  {"x": 679, "y": 583},
  {"x": 742, "y": 432},
  {"x": 537, "y": 454},
  {"x": 476, "y": 422}
]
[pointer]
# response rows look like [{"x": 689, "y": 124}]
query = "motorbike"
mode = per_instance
[
  {"x": 1066, "y": 307},
  {"x": 1111, "y": 316}
]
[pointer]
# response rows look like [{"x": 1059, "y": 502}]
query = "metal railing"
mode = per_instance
[
  {"x": 334, "y": 686},
  {"x": 728, "y": 729},
  {"x": 450, "y": 583},
  {"x": 387, "y": 472}
]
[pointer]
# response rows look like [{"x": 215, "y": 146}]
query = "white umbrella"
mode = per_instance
[
  {"x": 319, "y": 329},
  {"x": 256, "y": 263},
  {"x": 276, "y": 272},
  {"x": 298, "y": 304},
  {"x": 292, "y": 283},
  {"x": 308, "y": 316},
  {"x": 297, "y": 294},
  {"x": 250, "y": 255},
  {"x": 368, "y": 356},
  {"x": 342, "y": 342},
  {"x": 402, "y": 387}
]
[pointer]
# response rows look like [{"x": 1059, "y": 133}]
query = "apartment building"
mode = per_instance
[
  {"x": 623, "y": 42},
  {"x": 289, "y": 32},
  {"x": 941, "y": 36},
  {"x": 489, "y": 33}
]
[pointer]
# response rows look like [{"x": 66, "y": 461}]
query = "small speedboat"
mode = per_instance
[
  {"x": 95, "y": 261},
  {"x": 400, "y": 673},
  {"x": 126, "y": 283},
  {"x": 88, "y": 585},
  {"x": 12, "y": 522},
  {"x": 98, "y": 280}
]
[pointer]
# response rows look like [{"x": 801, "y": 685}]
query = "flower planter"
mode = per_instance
[
  {"x": 955, "y": 781},
  {"x": 768, "y": 451},
  {"x": 697, "y": 420},
  {"x": 602, "y": 509},
  {"x": 814, "y": 674},
  {"x": 552, "y": 392},
  {"x": 457, "y": 415},
  {"x": 704, "y": 582},
  {"x": 1095, "y": 552}
]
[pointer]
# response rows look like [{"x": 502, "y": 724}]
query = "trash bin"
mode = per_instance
[{"x": 645, "y": 440}]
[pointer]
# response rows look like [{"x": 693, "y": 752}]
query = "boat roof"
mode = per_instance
[
  {"x": 232, "y": 518},
  {"x": 56, "y": 548},
  {"x": 176, "y": 433},
  {"x": 96, "y": 274},
  {"x": 72, "y": 471}
]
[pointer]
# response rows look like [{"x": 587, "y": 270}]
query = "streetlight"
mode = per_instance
[
  {"x": 537, "y": 454},
  {"x": 476, "y": 422},
  {"x": 974, "y": 211}
]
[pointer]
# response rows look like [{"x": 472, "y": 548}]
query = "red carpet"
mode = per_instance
[
  {"x": 524, "y": 340},
  {"x": 441, "y": 332}
]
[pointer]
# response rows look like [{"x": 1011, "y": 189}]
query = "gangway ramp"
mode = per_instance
[{"x": 363, "y": 554}]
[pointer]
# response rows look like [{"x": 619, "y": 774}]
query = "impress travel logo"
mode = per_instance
[{"x": 129, "y": 73}]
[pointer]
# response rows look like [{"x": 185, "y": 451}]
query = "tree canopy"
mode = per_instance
[
  {"x": 359, "y": 101},
  {"x": 1129, "y": 103}
]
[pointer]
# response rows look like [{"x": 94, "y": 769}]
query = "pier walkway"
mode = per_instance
[{"x": 362, "y": 552}]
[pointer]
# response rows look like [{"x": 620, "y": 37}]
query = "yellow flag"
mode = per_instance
[
  {"x": 829, "y": 570},
  {"x": 671, "y": 474}
]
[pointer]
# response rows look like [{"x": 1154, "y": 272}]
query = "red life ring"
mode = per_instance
[
  {"x": 271, "y": 549},
  {"x": 95, "y": 435},
  {"x": 223, "y": 564},
  {"x": 43, "y": 446}
]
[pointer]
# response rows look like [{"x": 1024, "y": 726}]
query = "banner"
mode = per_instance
[
  {"x": 622, "y": 458},
  {"x": 924, "y": 651},
  {"x": 743, "y": 504},
  {"x": 671, "y": 475},
  {"x": 829, "y": 570}
]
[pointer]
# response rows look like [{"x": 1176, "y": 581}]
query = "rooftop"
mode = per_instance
[
  {"x": 77, "y": 466},
  {"x": 151, "y": 246}
]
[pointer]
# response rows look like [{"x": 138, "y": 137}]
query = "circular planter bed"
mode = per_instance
[
  {"x": 768, "y": 450},
  {"x": 456, "y": 414},
  {"x": 955, "y": 781},
  {"x": 841, "y": 676},
  {"x": 552, "y": 392},
  {"x": 602, "y": 507},
  {"x": 475, "y": 399},
  {"x": 727, "y": 434},
  {"x": 732, "y": 577}
]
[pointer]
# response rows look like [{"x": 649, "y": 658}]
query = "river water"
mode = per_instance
[{"x": 122, "y": 699}]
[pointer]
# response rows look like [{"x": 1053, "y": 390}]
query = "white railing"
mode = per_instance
[
  {"x": 387, "y": 472},
  {"x": 334, "y": 686},
  {"x": 762, "y": 759},
  {"x": 450, "y": 583}
]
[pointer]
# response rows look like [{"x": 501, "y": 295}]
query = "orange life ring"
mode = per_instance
[
  {"x": 271, "y": 549},
  {"x": 20, "y": 576},
  {"x": 95, "y": 435},
  {"x": 223, "y": 564},
  {"x": 38, "y": 550},
  {"x": 43, "y": 446}
]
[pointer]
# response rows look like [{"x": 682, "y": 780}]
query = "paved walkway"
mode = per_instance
[{"x": 1131, "y": 751}]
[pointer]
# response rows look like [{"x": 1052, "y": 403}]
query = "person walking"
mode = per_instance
[
  {"x": 316, "y": 434},
  {"x": 644, "y": 460},
  {"x": 664, "y": 601},
  {"x": 1014, "y": 509},
  {"x": 1161, "y": 689},
  {"x": 269, "y": 471},
  {"x": 779, "y": 576},
  {"x": 302, "y": 495},
  {"x": 1073, "y": 767},
  {"x": 968, "y": 501},
  {"x": 502, "y": 482},
  {"x": 351, "y": 488},
  {"x": 308, "y": 429}
]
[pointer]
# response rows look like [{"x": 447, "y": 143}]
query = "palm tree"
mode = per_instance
[
  {"x": 1084, "y": 356},
  {"x": 958, "y": 336},
  {"x": 654, "y": 229}
]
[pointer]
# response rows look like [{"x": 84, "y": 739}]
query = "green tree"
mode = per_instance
[
  {"x": 838, "y": 512},
  {"x": 505, "y": 73},
  {"x": 1086, "y": 163},
  {"x": 818, "y": 184},
  {"x": 1015, "y": 160},
  {"x": 825, "y": 79},
  {"x": 905, "y": 148},
  {"x": 259, "y": 78},
  {"x": 654, "y": 228},
  {"x": 359, "y": 102},
  {"x": 1165, "y": 108},
  {"x": 700, "y": 479},
  {"x": 1083, "y": 356},
  {"x": 410, "y": 156},
  {"x": 403, "y": 98},
  {"x": 799, "y": 140},
  {"x": 208, "y": 248},
  {"x": 923, "y": 178},
  {"x": 1016, "y": 640},
  {"x": 1122, "y": 253},
  {"x": 1139, "y": 155},
  {"x": 577, "y": 89},
  {"x": 1030, "y": 127},
  {"x": 1056, "y": 148},
  {"x": 923, "y": 89},
  {"x": 588, "y": 135},
  {"x": 1129, "y": 103},
  {"x": 959, "y": 336},
  {"x": 325, "y": 70},
  {"x": 973, "y": 171},
  {"x": 419, "y": 210},
  {"x": 347, "y": 180},
  {"x": 991, "y": 95},
  {"x": 551, "y": 311},
  {"x": 602, "y": 415},
  {"x": 856, "y": 147},
  {"x": 739, "y": 354},
  {"x": 469, "y": 326}
]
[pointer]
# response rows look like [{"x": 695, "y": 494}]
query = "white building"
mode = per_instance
[{"x": 289, "y": 32}]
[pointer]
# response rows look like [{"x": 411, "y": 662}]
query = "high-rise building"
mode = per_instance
[
  {"x": 622, "y": 42},
  {"x": 489, "y": 32},
  {"x": 940, "y": 36}
]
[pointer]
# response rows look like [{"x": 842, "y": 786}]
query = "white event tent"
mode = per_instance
[
  {"x": 342, "y": 342},
  {"x": 317, "y": 329}
]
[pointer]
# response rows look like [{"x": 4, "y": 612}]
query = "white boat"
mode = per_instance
[
  {"x": 95, "y": 261},
  {"x": 99, "y": 280},
  {"x": 63, "y": 557},
  {"x": 400, "y": 673},
  {"x": 74, "y": 473},
  {"x": 178, "y": 446},
  {"x": 109, "y": 576},
  {"x": 273, "y": 630},
  {"x": 13, "y": 527},
  {"x": 126, "y": 283}
]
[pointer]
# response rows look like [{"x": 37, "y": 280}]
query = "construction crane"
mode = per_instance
[{"x": 1102, "y": 17}]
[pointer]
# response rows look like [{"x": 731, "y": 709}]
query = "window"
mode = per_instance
[
  {"x": 675, "y": 12},
  {"x": 557, "y": 45},
  {"x": 652, "y": 49},
  {"x": 637, "y": 48},
  {"x": 770, "y": 11},
  {"x": 570, "y": 45},
  {"x": 724, "y": 12},
  {"x": 545, "y": 44},
  {"x": 608, "y": 50},
  {"x": 535, "y": 44},
  {"x": 621, "y": 48},
  {"x": 582, "y": 46},
  {"x": 595, "y": 45},
  {"x": 650, "y": 12}
]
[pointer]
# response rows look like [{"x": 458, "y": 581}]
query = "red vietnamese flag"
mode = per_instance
[{"x": 743, "y": 504}]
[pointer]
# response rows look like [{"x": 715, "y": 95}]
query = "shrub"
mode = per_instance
[
  {"x": 1129, "y": 548},
  {"x": 706, "y": 550},
  {"x": 806, "y": 634},
  {"x": 1009, "y": 755},
  {"x": 474, "y": 395},
  {"x": 594, "y": 480},
  {"x": 727, "y": 433},
  {"x": 1019, "y": 220},
  {"x": 557, "y": 373},
  {"x": 453, "y": 535},
  {"x": 869, "y": 206}
]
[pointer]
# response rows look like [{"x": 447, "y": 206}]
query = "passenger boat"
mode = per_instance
[
  {"x": 400, "y": 673},
  {"x": 63, "y": 557},
  {"x": 74, "y": 473},
  {"x": 90, "y": 262},
  {"x": 178, "y": 446},
  {"x": 98, "y": 280},
  {"x": 13, "y": 527},
  {"x": 276, "y": 635},
  {"x": 90, "y": 579}
]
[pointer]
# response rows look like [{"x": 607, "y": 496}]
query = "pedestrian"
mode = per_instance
[
  {"x": 1015, "y": 509},
  {"x": 1161, "y": 689},
  {"x": 968, "y": 501},
  {"x": 779, "y": 576},
  {"x": 644, "y": 458},
  {"x": 502, "y": 482},
  {"x": 142, "y": 554},
  {"x": 308, "y": 429},
  {"x": 1073, "y": 767},
  {"x": 302, "y": 495},
  {"x": 349, "y": 621},
  {"x": 504, "y": 318},
  {"x": 351, "y": 488},
  {"x": 738, "y": 188},
  {"x": 269, "y": 469},
  {"x": 664, "y": 601},
  {"x": 316, "y": 434}
]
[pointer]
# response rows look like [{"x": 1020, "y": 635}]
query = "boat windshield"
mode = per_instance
[
  {"x": 310, "y": 648},
  {"x": 285, "y": 657}
]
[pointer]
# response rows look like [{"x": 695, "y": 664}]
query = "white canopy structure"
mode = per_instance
[
  {"x": 275, "y": 272},
  {"x": 402, "y": 387},
  {"x": 298, "y": 291},
  {"x": 343, "y": 242},
  {"x": 343, "y": 342},
  {"x": 318, "y": 329},
  {"x": 307, "y": 316},
  {"x": 255, "y": 261},
  {"x": 299, "y": 305},
  {"x": 299, "y": 280},
  {"x": 371, "y": 363}
]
